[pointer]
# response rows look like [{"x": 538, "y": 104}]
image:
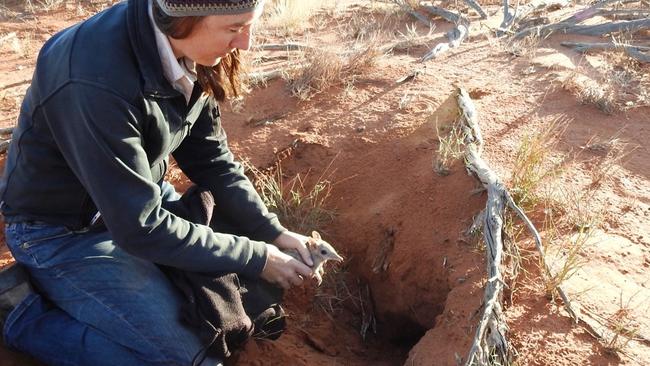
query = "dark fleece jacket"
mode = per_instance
[{"x": 95, "y": 133}]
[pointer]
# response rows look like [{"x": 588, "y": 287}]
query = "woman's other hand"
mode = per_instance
[
  {"x": 283, "y": 270},
  {"x": 291, "y": 240}
]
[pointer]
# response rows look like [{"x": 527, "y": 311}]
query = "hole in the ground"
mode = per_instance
[{"x": 406, "y": 332}]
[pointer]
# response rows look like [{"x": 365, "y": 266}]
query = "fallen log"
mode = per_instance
[{"x": 640, "y": 53}]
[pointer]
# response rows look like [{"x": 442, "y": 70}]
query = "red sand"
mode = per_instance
[{"x": 427, "y": 300}]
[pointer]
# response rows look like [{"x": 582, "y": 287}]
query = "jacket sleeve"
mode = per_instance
[
  {"x": 205, "y": 158},
  {"x": 99, "y": 135}
]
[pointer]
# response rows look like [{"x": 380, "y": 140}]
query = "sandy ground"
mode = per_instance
[{"x": 401, "y": 226}]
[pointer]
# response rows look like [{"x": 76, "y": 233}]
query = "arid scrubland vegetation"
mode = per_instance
[{"x": 352, "y": 126}]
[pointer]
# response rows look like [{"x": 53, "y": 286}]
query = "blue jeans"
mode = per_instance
[{"x": 96, "y": 304}]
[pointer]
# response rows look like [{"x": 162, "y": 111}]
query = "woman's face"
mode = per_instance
[{"x": 215, "y": 36}]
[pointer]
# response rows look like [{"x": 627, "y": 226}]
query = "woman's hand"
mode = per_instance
[
  {"x": 283, "y": 270},
  {"x": 291, "y": 240}
]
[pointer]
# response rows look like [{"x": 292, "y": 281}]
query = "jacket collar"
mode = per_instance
[{"x": 144, "y": 46}]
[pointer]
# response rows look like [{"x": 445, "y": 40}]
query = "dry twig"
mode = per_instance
[{"x": 638, "y": 52}]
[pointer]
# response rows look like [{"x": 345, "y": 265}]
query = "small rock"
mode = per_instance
[{"x": 361, "y": 128}]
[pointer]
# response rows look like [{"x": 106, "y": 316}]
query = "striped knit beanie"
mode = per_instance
[{"x": 184, "y": 8}]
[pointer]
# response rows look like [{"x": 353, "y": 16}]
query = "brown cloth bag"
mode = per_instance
[{"x": 225, "y": 312}]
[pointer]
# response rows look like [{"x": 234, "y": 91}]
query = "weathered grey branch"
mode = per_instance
[
  {"x": 629, "y": 26},
  {"x": 626, "y": 14},
  {"x": 509, "y": 19},
  {"x": 17, "y": 83},
  {"x": 488, "y": 345},
  {"x": 540, "y": 248},
  {"x": 409, "y": 9},
  {"x": 456, "y": 36},
  {"x": 490, "y": 341},
  {"x": 290, "y": 46},
  {"x": 640, "y": 53},
  {"x": 445, "y": 14},
  {"x": 476, "y": 6},
  {"x": 582, "y": 15},
  {"x": 262, "y": 77}
]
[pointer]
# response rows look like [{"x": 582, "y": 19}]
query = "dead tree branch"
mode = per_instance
[
  {"x": 580, "y": 16},
  {"x": 262, "y": 77},
  {"x": 455, "y": 36},
  {"x": 409, "y": 9},
  {"x": 640, "y": 53},
  {"x": 290, "y": 46},
  {"x": 626, "y": 14},
  {"x": 490, "y": 340},
  {"x": 17, "y": 83},
  {"x": 490, "y": 343},
  {"x": 629, "y": 26},
  {"x": 509, "y": 19},
  {"x": 476, "y": 6},
  {"x": 443, "y": 13}
]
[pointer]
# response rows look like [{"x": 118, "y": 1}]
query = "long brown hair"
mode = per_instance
[{"x": 214, "y": 80}]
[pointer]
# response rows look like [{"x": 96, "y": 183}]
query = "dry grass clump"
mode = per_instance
[
  {"x": 82, "y": 7},
  {"x": 629, "y": 79},
  {"x": 526, "y": 47},
  {"x": 590, "y": 91},
  {"x": 565, "y": 256},
  {"x": 623, "y": 325},
  {"x": 23, "y": 44},
  {"x": 613, "y": 152},
  {"x": 321, "y": 68},
  {"x": 451, "y": 147},
  {"x": 412, "y": 39},
  {"x": 534, "y": 164},
  {"x": 300, "y": 205},
  {"x": 286, "y": 17},
  {"x": 46, "y": 5},
  {"x": 622, "y": 83}
]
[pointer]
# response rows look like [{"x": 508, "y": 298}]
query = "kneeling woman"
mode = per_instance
[{"x": 83, "y": 193}]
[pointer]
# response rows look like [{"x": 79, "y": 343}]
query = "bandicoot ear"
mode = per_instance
[{"x": 315, "y": 235}]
